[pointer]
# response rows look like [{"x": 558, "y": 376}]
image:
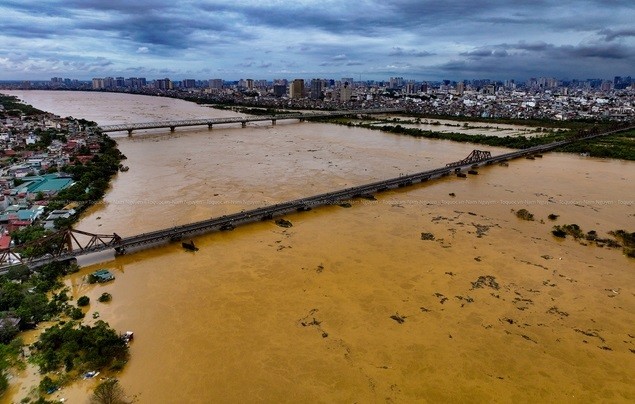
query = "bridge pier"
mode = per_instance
[
  {"x": 172, "y": 128},
  {"x": 129, "y": 132},
  {"x": 244, "y": 124},
  {"x": 273, "y": 122},
  {"x": 209, "y": 126},
  {"x": 301, "y": 119}
]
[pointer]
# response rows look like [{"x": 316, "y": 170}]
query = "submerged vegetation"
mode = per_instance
[
  {"x": 620, "y": 146},
  {"x": 621, "y": 238},
  {"x": 617, "y": 146},
  {"x": 524, "y": 214}
]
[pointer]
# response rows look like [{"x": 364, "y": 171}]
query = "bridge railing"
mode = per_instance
[{"x": 240, "y": 119}]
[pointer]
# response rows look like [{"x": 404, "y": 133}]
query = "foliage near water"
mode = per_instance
[
  {"x": 524, "y": 214},
  {"x": 621, "y": 238},
  {"x": 91, "y": 179},
  {"x": 28, "y": 298},
  {"x": 14, "y": 107},
  {"x": 620, "y": 146},
  {"x": 617, "y": 146},
  {"x": 74, "y": 346}
]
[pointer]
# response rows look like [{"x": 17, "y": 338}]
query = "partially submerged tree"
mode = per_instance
[{"x": 109, "y": 392}]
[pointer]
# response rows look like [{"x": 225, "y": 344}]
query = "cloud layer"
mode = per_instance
[{"x": 367, "y": 39}]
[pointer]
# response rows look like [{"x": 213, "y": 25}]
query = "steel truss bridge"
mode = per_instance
[
  {"x": 69, "y": 244},
  {"x": 243, "y": 120}
]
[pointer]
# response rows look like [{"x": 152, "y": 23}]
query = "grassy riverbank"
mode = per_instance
[{"x": 618, "y": 146}]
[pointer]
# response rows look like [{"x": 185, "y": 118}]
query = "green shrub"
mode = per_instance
[
  {"x": 524, "y": 214},
  {"x": 105, "y": 297}
]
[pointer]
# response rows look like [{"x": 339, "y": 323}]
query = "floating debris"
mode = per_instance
[
  {"x": 189, "y": 245},
  {"x": 398, "y": 318},
  {"x": 427, "y": 236},
  {"x": 485, "y": 281},
  {"x": 442, "y": 298},
  {"x": 555, "y": 310},
  {"x": 284, "y": 223}
]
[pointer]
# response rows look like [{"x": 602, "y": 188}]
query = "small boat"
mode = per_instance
[
  {"x": 189, "y": 245},
  {"x": 461, "y": 175},
  {"x": 472, "y": 172}
]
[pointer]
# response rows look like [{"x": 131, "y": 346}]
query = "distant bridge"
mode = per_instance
[
  {"x": 69, "y": 244},
  {"x": 243, "y": 120}
]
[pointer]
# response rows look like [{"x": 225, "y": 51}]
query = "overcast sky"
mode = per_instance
[{"x": 367, "y": 39}]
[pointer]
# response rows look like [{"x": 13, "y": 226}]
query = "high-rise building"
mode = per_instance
[
  {"x": 460, "y": 88},
  {"x": 163, "y": 84},
  {"x": 98, "y": 84},
  {"x": 349, "y": 80},
  {"x": 279, "y": 90},
  {"x": 216, "y": 84},
  {"x": 296, "y": 89},
  {"x": 396, "y": 82},
  {"x": 188, "y": 83},
  {"x": 346, "y": 92},
  {"x": 317, "y": 86}
]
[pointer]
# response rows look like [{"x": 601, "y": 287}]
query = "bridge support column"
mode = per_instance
[
  {"x": 273, "y": 122},
  {"x": 244, "y": 124},
  {"x": 172, "y": 128},
  {"x": 301, "y": 119},
  {"x": 129, "y": 132},
  {"x": 209, "y": 126}
]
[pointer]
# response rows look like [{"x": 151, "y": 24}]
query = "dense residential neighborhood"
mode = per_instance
[{"x": 38, "y": 155}]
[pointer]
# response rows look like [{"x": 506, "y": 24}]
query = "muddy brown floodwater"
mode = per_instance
[{"x": 353, "y": 304}]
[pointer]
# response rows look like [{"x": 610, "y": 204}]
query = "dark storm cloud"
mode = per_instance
[
  {"x": 405, "y": 37},
  {"x": 611, "y": 35},
  {"x": 399, "y": 51}
]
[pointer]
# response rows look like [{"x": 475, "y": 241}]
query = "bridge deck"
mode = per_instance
[
  {"x": 271, "y": 211},
  {"x": 240, "y": 119}
]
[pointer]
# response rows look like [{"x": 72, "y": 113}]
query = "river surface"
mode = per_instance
[{"x": 303, "y": 314}]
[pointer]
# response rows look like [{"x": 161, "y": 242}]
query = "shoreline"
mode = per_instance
[{"x": 251, "y": 289}]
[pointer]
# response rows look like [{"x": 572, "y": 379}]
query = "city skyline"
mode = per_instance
[{"x": 368, "y": 40}]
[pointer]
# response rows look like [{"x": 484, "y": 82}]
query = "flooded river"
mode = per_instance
[{"x": 352, "y": 304}]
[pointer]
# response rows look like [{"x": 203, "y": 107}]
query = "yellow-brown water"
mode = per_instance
[{"x": 266, "y": 314}]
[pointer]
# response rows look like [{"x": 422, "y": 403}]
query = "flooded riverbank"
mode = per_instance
[
  {"x": 468, "y": 128},
  {"x": 491, "y": 309}
]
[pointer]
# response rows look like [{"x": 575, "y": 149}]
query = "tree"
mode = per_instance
[
  {"x": 109, "y": 392},
  {"x": 83, "y": 301}
]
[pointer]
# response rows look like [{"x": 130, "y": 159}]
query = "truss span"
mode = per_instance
[{"x": 475, "y": 157}]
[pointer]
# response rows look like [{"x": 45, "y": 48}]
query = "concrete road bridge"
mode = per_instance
[{"x": 243, "y": 120}]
